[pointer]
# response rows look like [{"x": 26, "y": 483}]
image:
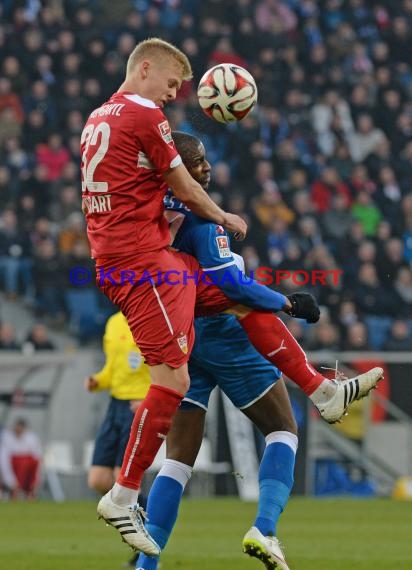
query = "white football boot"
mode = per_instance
[
  {"x": 129, "y": 521},
  {"x": 265, "y": 548},
  {"x": 348, "y": 391}
]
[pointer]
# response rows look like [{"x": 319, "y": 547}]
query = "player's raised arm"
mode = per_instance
[{"x": 186, "y": 189}]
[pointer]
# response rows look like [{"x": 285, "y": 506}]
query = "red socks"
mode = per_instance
[
  {"x": 149, "y": 429},
  {"x": 273, "y": 340}
]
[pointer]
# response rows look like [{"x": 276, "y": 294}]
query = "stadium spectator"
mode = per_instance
[
  {"x": 391, "y": 260},
  {"x": 8, "y": 193},
  {"x": 302, "y": 204},
  {"x": 403, "y": 287},
  {"x": 224, "y": 52},
  {"x": 20, "y": 459},
  {"x": 356, "y": 337},
  {"x": 53, "y": 156},
  {"x": 365, "y": 210},
  {"x": 10, "y": 100},
  {"x": 278, "y": 238},
  {"x": 309, "y": 234},
  {"x": 366, "y": 252},
  {"x": 326, "y": 187},
  {"x": 269, "y": 209},
  {"x": 332, "y": 121},
  {"x": 66, "y": 203},
  {"x": 325, "y": 337},
  {"x": 346, "y": 316},
  {"x": 73, "y": 232},
  {"x": 365, "y": 139},
  {"x": 27, "y": 212},
  {"x": 38, "y": 338},
  {"x": 48, "y": 280},
  {"x": 8, "y": 339},
  {"x": 370, "y": 295},
  {"x": 40, "y": 99},
  {"x": 399, "y": 337},
  {"x": 336, "y": 221},
  {"x": 9, "y": 127},
  {"x": 15, "y": 250},
  {"x": 359, "y": 180}
]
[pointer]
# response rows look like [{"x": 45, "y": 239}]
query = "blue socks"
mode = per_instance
[
  {"x": 163, "y": 506},
  {"x": 275, "y": 479}
]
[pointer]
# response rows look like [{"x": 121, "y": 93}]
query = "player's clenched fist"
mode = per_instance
[
  {"x": 304, "y": 306},
  {"x": 236, "y": 225}
]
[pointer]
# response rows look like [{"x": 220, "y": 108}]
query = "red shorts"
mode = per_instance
[
  {"x": 157, "y": 296},
  {"x": 26, "y": 470}
]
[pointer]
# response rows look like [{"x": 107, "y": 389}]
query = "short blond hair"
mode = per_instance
[{"x": 152, "y": 47}]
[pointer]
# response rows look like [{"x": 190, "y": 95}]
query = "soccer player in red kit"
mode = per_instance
[{"x": 128, "y": 161}]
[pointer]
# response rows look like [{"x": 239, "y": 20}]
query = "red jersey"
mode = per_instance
[{"x": 126, "y": 145}]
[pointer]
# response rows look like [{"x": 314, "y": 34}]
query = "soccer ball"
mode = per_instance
[{"x": 227, "y": 93}]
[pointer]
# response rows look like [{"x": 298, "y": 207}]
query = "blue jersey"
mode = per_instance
[
  {"x": 223, "y": 355},
  {"x": 206, "y": 241},
  {"x": 210, "y": 245}
]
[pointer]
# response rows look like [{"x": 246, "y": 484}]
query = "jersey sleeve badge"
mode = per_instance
[
  {"x": 223, "y": 246},
  {"x": 165, "y": 131}
]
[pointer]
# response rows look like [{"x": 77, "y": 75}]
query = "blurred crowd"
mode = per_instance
[{"x": 321, "y": 169}]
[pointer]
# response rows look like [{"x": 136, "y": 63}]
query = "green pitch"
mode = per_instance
[{"x": 317, "y": 535}]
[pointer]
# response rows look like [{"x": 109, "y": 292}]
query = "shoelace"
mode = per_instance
[
  {"x": 339, "y": 376},
  {"x": 277, "y": 542},
  {"x": 139, "y": 515}
]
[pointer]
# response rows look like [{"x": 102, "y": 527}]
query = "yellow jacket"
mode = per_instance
[{"x": 124, "y": 374}]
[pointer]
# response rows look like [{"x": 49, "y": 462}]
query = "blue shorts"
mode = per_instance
[
  {"x": 113, "y": 435},
  {"x": 223, "y": 356}
]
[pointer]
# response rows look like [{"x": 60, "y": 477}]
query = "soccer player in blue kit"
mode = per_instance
[{"x": 223, "y": 356}]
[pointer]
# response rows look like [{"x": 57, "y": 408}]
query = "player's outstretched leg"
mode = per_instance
[
  {"x": 347, "y": 391},
  {"x": 332, "y": 398}
]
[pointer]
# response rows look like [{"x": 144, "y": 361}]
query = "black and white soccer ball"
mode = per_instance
[{"x": 227, "y": 93}]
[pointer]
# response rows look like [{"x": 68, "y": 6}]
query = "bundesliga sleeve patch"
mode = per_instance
[
  {"x": 223, "y": 246},
  {"x": 165, "y": 131}
]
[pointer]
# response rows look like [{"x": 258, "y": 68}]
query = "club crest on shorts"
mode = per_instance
[
  {"x": 165, "y": 131},
  {"x": 223, "y": 246},
  {"x": 182, "y": 342}
]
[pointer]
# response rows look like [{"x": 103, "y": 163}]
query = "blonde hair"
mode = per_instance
[{"x": 153, "y": 47}]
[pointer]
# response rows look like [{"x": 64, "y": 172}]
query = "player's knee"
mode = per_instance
[
  {"x": 176, "y": 379},
  {"x": 181, "y": 380},
  {"x": 183, "y": 384}
]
